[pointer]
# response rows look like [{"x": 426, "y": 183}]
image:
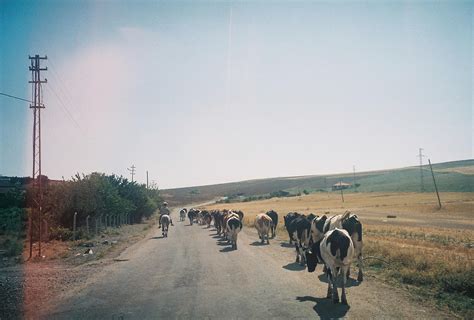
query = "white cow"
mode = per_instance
[
  {"x": 336, "y": 251},
  {"x": 263, "y": 224}
]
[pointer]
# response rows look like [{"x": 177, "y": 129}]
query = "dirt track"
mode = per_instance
[{"x": 192, "y": 274}]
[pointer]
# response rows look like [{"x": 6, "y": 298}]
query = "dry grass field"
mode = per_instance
[{"x": 427, "y": 249}]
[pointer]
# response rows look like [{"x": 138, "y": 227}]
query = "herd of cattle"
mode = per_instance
[{"x": 332, "y": 241}]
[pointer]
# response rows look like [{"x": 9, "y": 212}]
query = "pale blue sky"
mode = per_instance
[{"x": 198, "y": 95}]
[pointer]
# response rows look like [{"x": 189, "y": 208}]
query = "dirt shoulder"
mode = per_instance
[{"x": 33, "y": 284}]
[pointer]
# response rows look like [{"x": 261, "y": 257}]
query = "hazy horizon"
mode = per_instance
[{"x": 202, "y": 93}]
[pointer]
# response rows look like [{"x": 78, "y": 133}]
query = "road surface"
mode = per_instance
[{"x": 193, "y": 275}]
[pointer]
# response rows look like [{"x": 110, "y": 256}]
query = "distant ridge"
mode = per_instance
[{"x": 453, "y": 176}]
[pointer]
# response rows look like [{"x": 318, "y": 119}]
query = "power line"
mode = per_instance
[
  {"x": 64, "y": 107},
  {"x": 62, "y": 87},
  {"x": 15, "y": 97}
]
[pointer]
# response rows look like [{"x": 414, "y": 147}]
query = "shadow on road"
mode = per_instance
[
  {"x": 227, "y": 249},
  {"x": 349, "y": 283},
  {"x": 259, "y": 243},
  {"x": 325, "y": 308},
  {"x": 286, "y": 245},
  {"x": 216, "y": 236},
  {"x": 222, "y": 242},
  {"x": 294, "y": 266},
  {"x": 157, "y": 237}
]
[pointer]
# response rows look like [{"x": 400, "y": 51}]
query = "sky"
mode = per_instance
[{"x": 207, "y": 92}]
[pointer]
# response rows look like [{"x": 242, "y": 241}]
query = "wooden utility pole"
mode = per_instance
[
  {"x": 342, "y": 192},
  {"x": 354, "y": 177},
  {"x": 421, "y": 155},
  {"x": 434, "y": 181}
]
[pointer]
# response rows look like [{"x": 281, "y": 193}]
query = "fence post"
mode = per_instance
[
  {"x": 74, "y": 227},
  {"x": 87, "y": 224}
]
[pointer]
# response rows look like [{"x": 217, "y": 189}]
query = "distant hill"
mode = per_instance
[{"x": 454, "y": 176}]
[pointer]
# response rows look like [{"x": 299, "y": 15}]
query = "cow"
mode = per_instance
[
  {"x": 347, "y": 221},
  {"x": 288, "y": 219},
  {"x": 165, "y": 222},
  {"x": 272, "y": 214},
  {"x": 182, "y": 214},
  {"x": 192, "y": 213},
  {"x": 300, "y": 229},
  {"x": 219, "y": 222},
  {"x": 240, "y": 214},
  {"x": 227, "y": 215},
  {"x": 336, "y": 251},
  {"x": 207, "y": 218},
  {"x": 310, "y": 217},
  {"x": 233, "y": 225},
  {"x": 263, "y": 224}
]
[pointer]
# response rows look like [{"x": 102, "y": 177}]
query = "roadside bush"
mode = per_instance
[
  {"x": 96, "y": 195},
  {"x": 60, "y": 233},
  {"x": 458, "y": 282},
  {"x": 12, "y": 220},
  {"x": 13, "y": 247}
]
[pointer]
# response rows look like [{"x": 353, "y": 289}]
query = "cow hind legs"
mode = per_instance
[
  {"x": 335, "y": 294},
  {"x": 343, "y": 296}
]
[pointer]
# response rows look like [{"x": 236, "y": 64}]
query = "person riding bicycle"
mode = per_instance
[{"x": 164, "y": 210}]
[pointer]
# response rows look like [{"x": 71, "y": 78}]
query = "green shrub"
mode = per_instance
[
  {"x": 60, "y": 233},
  {"x": 13, "y": 247}
]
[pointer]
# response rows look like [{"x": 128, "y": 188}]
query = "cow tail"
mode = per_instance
[{"x": 358, "y": 228}]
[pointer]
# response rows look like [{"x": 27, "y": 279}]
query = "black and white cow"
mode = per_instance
[
  {"x": 219, "y": 221},
  {"x": 272, "y": 214},
  {"x": 300, "y": 229},
  {"x": 347, "y": 221},
  {"x": 311, "y": 217},
  {"x": 192, "y": 215},
  {"x": 288, "y": 219},
  {"x": 207, "y": 218},
  {"x": 182, "y": 214},
  {"x": 239, "y": 213},
  {"x": 233, "y": 226},
  {"x": 336, "y": 251}
]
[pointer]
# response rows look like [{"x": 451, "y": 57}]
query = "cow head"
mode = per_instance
[{"x": 312, "y": 256}]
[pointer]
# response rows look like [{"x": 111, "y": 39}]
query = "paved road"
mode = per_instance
[{"x": 191, "y": 274}]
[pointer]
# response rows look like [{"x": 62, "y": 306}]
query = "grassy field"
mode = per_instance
[
  {"x": 454, "y": 176},
  {"x": 427, "y": 249}
]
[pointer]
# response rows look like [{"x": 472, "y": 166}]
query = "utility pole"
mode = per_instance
[
  {"x": 37, "y": 105},
  {"x": 354, "y": 177},
  {"x": 421, "y": 155},
  {"x": 436, "y": 187},
  {"x": 326, "y": 187},
  {"x": 342, "y": 192},
  {"x": 147, "y": 179},
  {"x": 132, "y": 170}
]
